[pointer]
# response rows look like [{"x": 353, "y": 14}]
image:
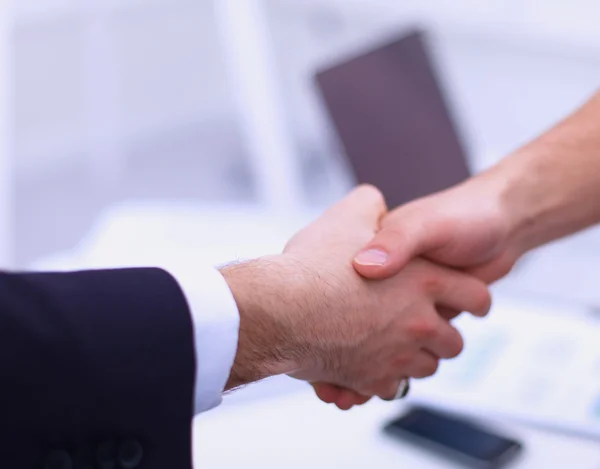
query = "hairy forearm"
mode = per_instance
[
  {"x": 551, "y": 187},
  {"x": 269, "y": 296}
]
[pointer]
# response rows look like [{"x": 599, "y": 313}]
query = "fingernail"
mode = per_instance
[{"x": 372, "y": 257}]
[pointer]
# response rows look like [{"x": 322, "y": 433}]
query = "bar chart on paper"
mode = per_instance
[{"x": 529, "y": 363}]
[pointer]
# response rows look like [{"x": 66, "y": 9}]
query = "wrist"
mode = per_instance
[
  {"x": 518, "y": 212},
  {"x": 528, "y": 207},
  {"x": 549, "y": 184},
  {"x": 270, "y": 323}
]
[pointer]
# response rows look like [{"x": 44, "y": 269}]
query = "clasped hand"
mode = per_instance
[{"x": 426, "y": 262}]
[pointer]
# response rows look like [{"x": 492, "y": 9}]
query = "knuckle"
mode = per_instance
[
  {"x": 394, "y": 231},
  {"x": 432, "y": 284},
  {"x": 372, "y": 192},
  {"x": 391, "y": 239},
  {"x": 424, "y": 329},
  {"x": 402, "y": 361}
]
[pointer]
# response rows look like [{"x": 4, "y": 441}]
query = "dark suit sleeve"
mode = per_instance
[{"x": 96, "y": 371}]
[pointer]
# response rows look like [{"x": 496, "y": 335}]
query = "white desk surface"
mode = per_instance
[{"x": 296, "y": 431}]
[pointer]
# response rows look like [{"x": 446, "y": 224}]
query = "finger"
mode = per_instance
[
  {"x": 437, "y": 335},
  {"x": 328, "y": 393},
  {"x": 406, "y": 233},
  {"x": 459, "y": 291},
  {"x": 495, "y": 270},
  {"x": 424, "y": 365},
  {"x": 365, "y": 204},
  {"x": 341, "y": 397},
  {"x": 448, "y": 342},
  {"x": 344, "y": 404},
  {"x": 348, "y": 399}
]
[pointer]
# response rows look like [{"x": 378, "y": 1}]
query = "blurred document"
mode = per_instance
[{"x": 534, "y": 363}]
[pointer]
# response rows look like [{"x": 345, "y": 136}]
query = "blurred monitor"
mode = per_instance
[{"x": 391, "y": 118}]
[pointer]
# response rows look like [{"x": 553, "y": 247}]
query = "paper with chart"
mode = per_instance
[{"x": 533, "y": 363}]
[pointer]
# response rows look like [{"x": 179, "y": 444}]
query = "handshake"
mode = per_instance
[{"x": 363, "y": 299}]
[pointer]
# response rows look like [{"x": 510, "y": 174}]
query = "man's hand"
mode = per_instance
[
  {"x": 466, "y": 227},
  {"x": 309, "y": 314},
  {"x": 544, "y": 191}
]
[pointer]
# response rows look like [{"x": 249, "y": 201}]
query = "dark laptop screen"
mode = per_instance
[{"x": 395, "y": 128}]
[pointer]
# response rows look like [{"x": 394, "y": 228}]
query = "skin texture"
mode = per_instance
[
  {"x": 308, "y": 313},
  {"x": 544, "y": 191}
]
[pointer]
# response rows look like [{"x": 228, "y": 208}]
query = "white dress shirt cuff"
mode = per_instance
[{"x": 216, "y": 321}]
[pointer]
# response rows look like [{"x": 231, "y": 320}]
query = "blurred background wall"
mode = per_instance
[
  {"x": 121, "y": 99},
  {"x": 115, "y": 100},
  {"x": 6, "y": 171}
]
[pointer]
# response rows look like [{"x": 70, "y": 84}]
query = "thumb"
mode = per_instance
[
  {"x": 403, "y": 237},
  {"x": 364, "y": 205}
]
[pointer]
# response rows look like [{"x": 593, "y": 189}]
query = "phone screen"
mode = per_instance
[{"x": 458, "y": 437}]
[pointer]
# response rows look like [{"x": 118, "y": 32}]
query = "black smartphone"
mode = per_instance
[{"x": 456, "y": 438}]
